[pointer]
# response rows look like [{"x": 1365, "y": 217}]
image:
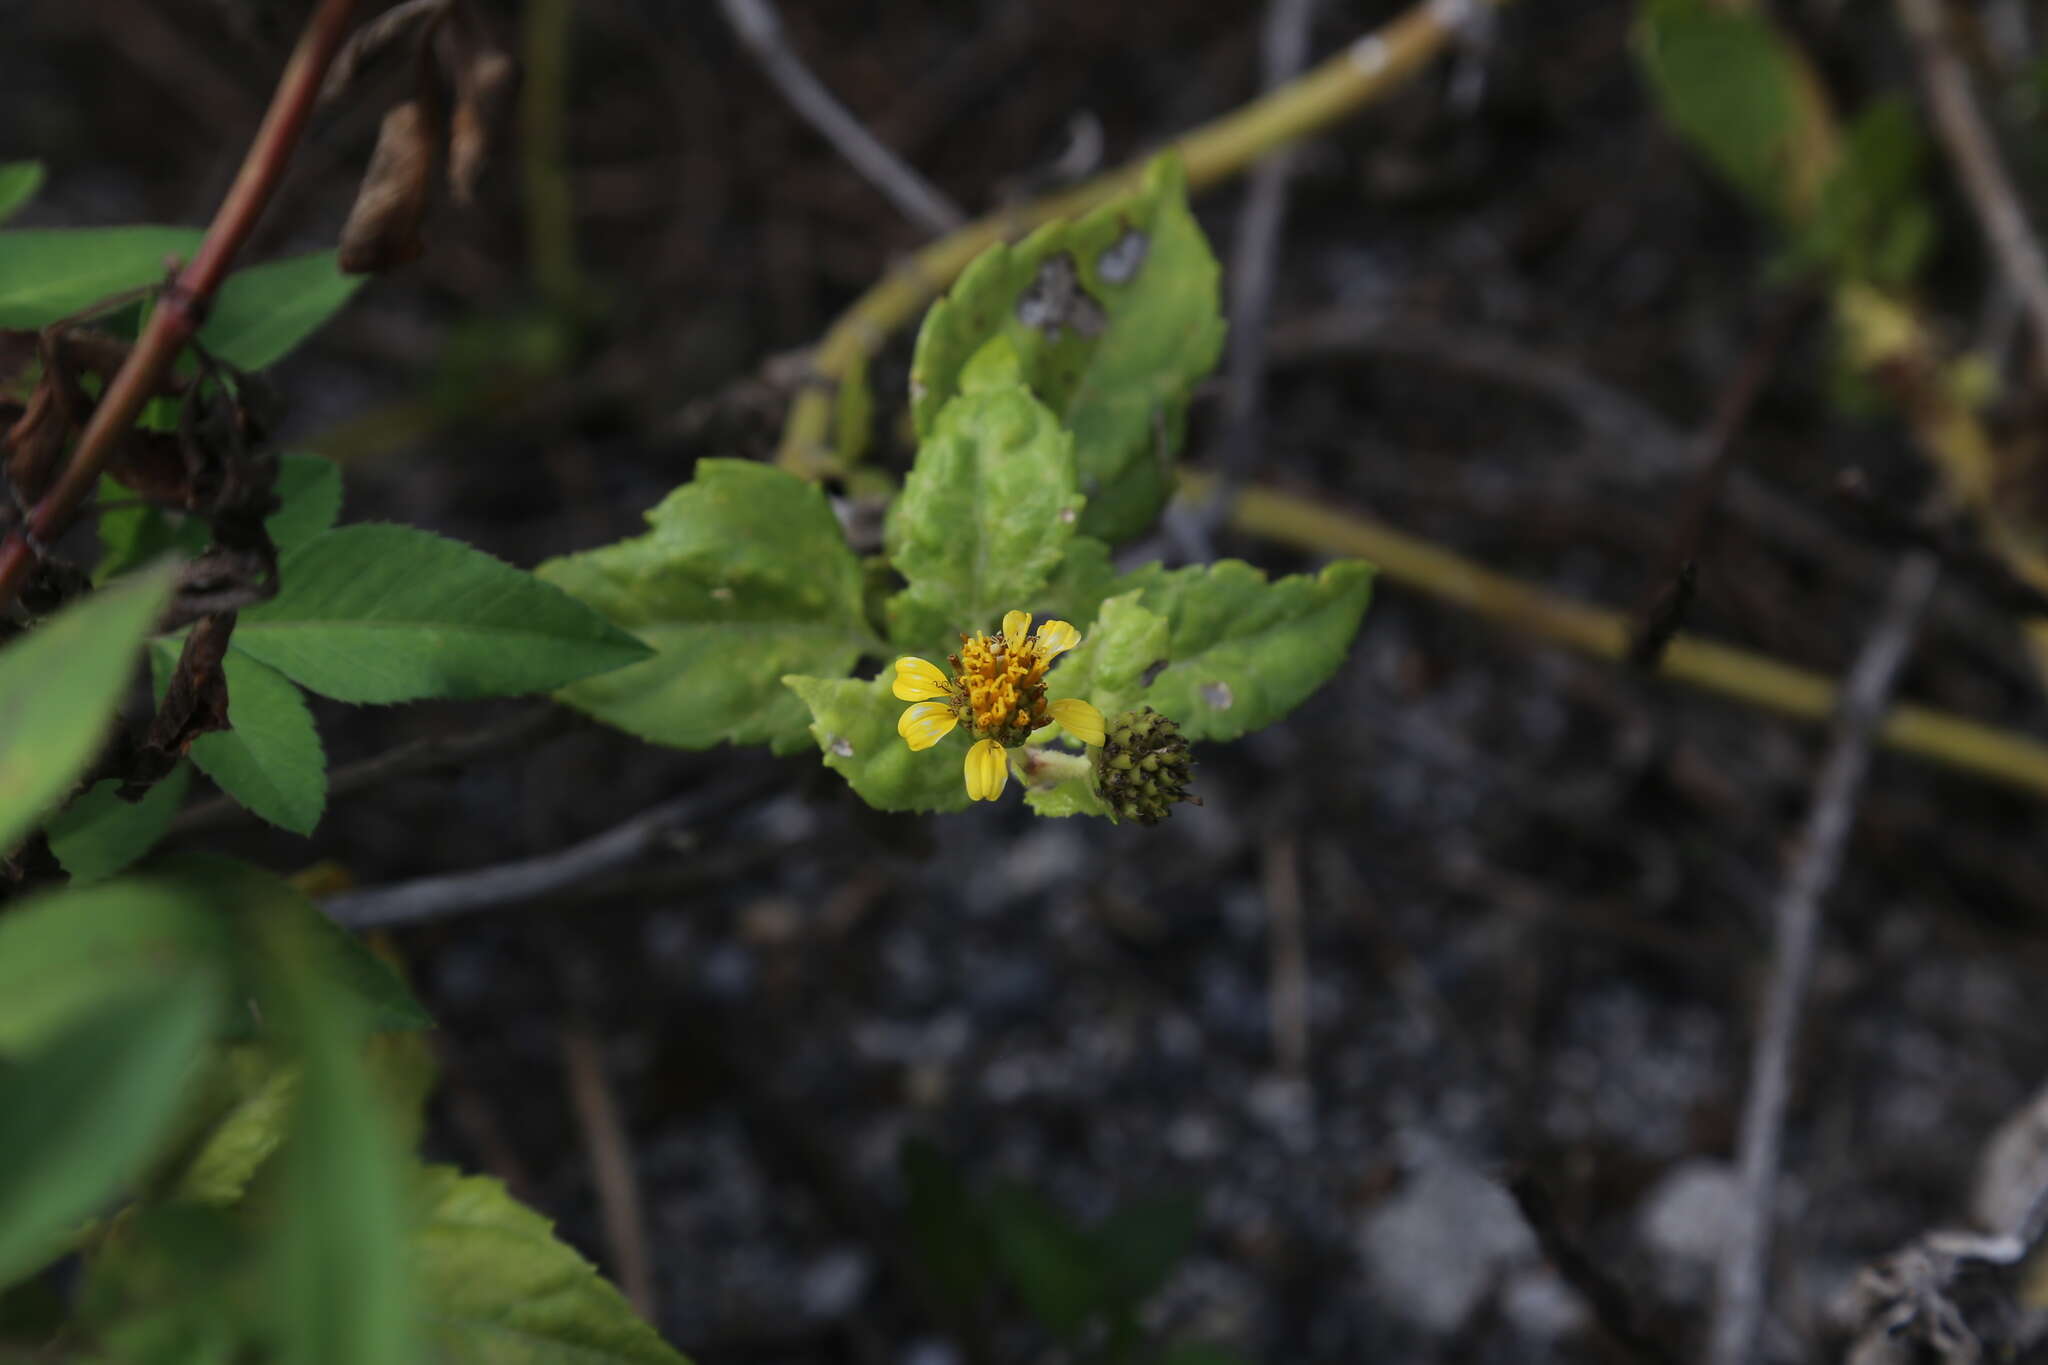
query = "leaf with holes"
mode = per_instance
[
  {"x": 1116, "y": 315},
  {"x": 854, "y": 722}
]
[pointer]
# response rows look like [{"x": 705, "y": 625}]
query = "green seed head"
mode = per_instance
[{"x": 1142, "y": 767}]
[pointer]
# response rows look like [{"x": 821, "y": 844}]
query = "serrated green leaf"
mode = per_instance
[
  {"x": 342, "y": 1290},
  {"x": 854, "y": 723},
  {"x": 262, "y": 312},
  {"x": 377, "y": 613},
  {"x": 499, "y": 1287},
  {"x": 50, "y": 273},
  {"x": 1116, "y": 315},
  {"x": 172, "y": 1289},
  {"x": 743, "y": 576},
  {"x": 99, "y": 834},
  {"x": 81, "y": 1115},
  {"x": 19, "y": 181},
  {"x": 271, "y": 760},
  {"x": 65, "y": 954},
  {"x": 985, "y": 516},
  {"x": 1077, "y": 588},
  {"x": 348, "y": 975},
  {"x": 1728, "y": 83},
  {"x": 309, "y": 500},
  {"x": 59, "y": 686}
]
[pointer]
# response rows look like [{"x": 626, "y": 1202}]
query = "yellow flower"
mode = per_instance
[{"x": 997, "y": 691}]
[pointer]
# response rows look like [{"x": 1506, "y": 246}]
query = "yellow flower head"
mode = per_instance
[{"x": 997, "y": 690}]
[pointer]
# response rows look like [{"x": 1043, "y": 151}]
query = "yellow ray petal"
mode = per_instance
[
  {"x": 918, "y": 679},
  {"x": 1016, "y": 625},
  {"x": 988, "y": 768},
  {"x": 1080, "y": 718},
  {"x": 925, "y": 724},
  {"x": 1056, "y": 638}
]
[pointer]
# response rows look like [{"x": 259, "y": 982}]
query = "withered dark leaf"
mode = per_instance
[
  {"x": 483, "y": 82},
  {"x": 152, "y": 465},
  {"x": 196, "y": 702},
  {"x": 383, "y": 228},
  {"x": 370, "y": 41}
]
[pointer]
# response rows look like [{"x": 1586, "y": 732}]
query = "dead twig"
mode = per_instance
[
  {"x": 611, "y": 1166},
  {"x": 1974, "y": 153},
  {"x": 182, "y": 305},
  {"x": 760, "y": 28},
  {"x": 1287, "y": 963},
  {"x": 436, "y": 753},
  {"x": 1613, "y": 1308},
  {"x": 530, "y": 879},
  {"x": 1739, "y": 1304},
  {"x": 1253, "y": 268},
  {"x": 1663, "y": 606}
]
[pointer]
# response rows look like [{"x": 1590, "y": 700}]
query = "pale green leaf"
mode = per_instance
[
  {"x": 19, "y": 181},
  {"x": 65, "y": 955},
  {"x": 47, "y": 274},
  {"x": 247, "y": 1132},
  {"x": 378, "y": 613},
  {"x": 1116, "y": 657},
  {"x": 309, "y": 500},
  {"x": 270, "y": 760},
  {"x": 1067, "y": 794},
  {"x": 81, "y": 1115},
  {"x": 1117, "y": 315},
  {"x": 854, "y": 723},
  {"x": 1243, "y": 652},
  {"x": 985, "y": 516},
  {"x": 59, "y": 685},
  {"x": 264, "y": 311},
  {"x": 99, "y": 834},
  {"x": 500, "y": 1289},
  {"x": 742, "y": 577}
]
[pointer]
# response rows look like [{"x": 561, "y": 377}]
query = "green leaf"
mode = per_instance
[
  {"x": 500, "y": 1288},
  {"x": 1142, "y": 1241},
  {"x": 82, "y": 1115},
  {"x": 342, "y": 1292},
  {"x": 248, "y": 1131},
  {"x": 172, "y": 1289},
  {"x": 854, "y": 723},
  {"x": 1048, "y": 1258},
  {"x": 50, "y": 273},
  {"x": 743, "y": 577},
  {"x": 1116, "y": 315},
  {"x": 1245, "y": 652},
  {"x": 377, "y": 613},
  {"x": 1067, "y": 794},
  {"x": 986, "y": 512},
  {"x": 946, "y": 1227},
  {"x": 65, "y": 955},
  {"x": 1116, "y": 656},
  {"x": 59, "y": 686},
  {"x": 99, "y": 834},
  {"x": 19, "y": 181},
  {"x": 271, "y": 761},
  {"x": 1871, "y": 222},
  {"x": 264, "y": 311},
  {"x": 1728, "y": 83},
  {"x": 353, "y": 980},
  {"x": 1075, "y": 593},
  {"x": 309, "y": 500}
]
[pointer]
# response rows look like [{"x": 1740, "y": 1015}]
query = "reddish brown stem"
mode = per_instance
[{"x": 183, "y": 305}]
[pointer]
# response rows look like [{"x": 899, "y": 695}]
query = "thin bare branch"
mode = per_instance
[
  {"x": 760, "y": 28},
  {"x": 1974, "y": 153},
  {"x": 529, "y": 879},
  {"x": 1739, "y": 1306},
  {"x": 611, "y": 1166}
]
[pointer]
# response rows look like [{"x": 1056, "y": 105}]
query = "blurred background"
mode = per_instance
[{"x": 1482, "y": 909}]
